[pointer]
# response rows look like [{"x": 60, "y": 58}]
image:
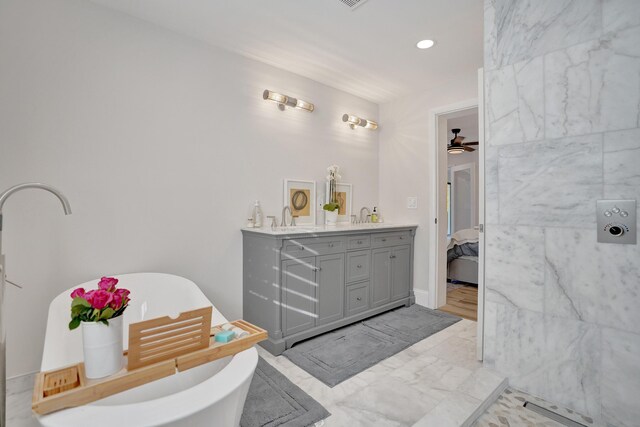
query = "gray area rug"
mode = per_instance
[
  {"x": 273, "y": 401},
  {"x": 337, "y": 356}
]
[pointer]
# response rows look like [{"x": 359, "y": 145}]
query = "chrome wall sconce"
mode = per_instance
[
  {"x": 354, "y": 121},
  {"x": 286, "y": 101}
]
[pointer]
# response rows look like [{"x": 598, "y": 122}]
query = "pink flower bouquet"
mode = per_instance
[{"x": 98, "y": 305}]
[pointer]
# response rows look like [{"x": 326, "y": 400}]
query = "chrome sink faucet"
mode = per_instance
[
  {"x": 283, "y": 223},
  {"x": 368, "y": 214},
  {"x": 3, "y": 343}
]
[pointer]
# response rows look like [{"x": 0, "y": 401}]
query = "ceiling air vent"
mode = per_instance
[{"x": 352, "y": 3}]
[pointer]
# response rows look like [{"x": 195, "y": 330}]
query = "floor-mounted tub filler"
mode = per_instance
[
  {"x": 210, "y": 394},
  {"x": 3, "y": 330}
]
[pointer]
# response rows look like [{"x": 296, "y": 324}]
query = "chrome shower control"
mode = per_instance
[
  {"x": 616, "y": 221},
  {"x": 616, "y": 230}
]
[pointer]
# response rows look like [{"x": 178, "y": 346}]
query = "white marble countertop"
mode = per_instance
[{"x": 320, "y": 229}]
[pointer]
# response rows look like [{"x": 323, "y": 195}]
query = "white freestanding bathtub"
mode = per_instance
[{"x": 209, "y": 395}]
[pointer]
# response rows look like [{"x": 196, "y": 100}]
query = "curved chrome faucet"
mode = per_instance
[
  {"x": 368, "y": 213},
  {"x": 3, "y": 337},
  {"x": 283, "y": 223},
  {"x": 63, "y": 199}
]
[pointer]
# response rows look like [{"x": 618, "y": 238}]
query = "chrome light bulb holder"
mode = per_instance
[
  {"x": 354, "y": 121},
  {"x": 284, "y": 101}
]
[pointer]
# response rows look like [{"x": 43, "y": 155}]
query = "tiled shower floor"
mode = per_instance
[{"x": 507, "y": 410}]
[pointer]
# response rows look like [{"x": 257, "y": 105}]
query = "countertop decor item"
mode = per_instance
[
  {"x": 342, "y": 193},
  {"x": 299, "y": 196},
  {"x": 332, "y": 207},
  {"x": 99, "y": 311}
]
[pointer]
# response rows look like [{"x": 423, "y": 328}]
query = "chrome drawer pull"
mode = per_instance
[
  {"x": 316, "y": 269},
  {"x": 358, "y": 299},
  {"x": 301, "y": 248},
  {"x": 330, "y": 245},
  {"x": 359, "y": 265},
  {"x": 359, "y": 242},
  {"x": 392, "y": 256},
  {"x": 401, "y": 237},
  {"x": 384, "y": 240}
]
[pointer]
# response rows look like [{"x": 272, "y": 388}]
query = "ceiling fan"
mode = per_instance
[{"x": 456, "y": 146}]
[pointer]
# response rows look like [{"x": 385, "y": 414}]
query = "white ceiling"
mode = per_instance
[{"x": 369, "y": 51}]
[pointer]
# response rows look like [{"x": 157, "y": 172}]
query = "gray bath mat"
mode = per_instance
[
  {"x": 273, "y": 401},
  {"x": 336, "y": 356}
]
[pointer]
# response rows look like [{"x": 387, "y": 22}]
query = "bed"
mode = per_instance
[{"x": 462, "y": 256}]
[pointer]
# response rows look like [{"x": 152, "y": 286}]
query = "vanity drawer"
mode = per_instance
[
  {"x": 357, "y": 296},
  {"x": 359, "y": 242},
  {"x": 358, "y": 265},
  {"x": 314, "y": 246},
  {"x": 390, "y": 239}
]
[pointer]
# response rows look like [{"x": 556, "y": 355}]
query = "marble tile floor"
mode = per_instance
[
  {"x": 508, "y": 410},
  {"x": 437, "y": 381},
  {"x": 19, "y": 392}
]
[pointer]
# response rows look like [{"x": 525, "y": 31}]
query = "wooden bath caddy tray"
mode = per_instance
[{"x": 158, "y": 348}]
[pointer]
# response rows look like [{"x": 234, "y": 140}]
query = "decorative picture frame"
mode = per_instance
[
  {"x": 345, "y": 195},
  {"x": 300, "y": 196}
]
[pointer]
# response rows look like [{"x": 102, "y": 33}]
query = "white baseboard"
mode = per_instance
[{"x": 422, "y": 297}]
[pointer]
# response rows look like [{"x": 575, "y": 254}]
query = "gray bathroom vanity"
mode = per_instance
[{"x": 299, "y": 282}]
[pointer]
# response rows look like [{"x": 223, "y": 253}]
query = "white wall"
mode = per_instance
[
  {"x": 462, "y": 158},
  {"x": 469, "y": 126},
  {"x": 161, "y": 144},
  {"x": 562, "y": 111},
  {"x": 404, "y": 160}
]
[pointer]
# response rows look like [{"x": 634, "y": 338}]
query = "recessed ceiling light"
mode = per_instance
[{"x": 424, "y": 44}]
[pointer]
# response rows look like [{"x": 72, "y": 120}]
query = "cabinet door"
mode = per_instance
[
  {"x": 380, "y": 276},
  {"x": 330, "y": 280},
  {"x": 400, "y": 271},
  {"x": 298, "y": 295}
]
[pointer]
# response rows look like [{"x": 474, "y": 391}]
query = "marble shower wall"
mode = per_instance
[{"x": 562, "y": 87}]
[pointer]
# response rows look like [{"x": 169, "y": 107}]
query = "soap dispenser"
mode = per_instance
[
  {"x": 257, "y": 215},
  {"x": 374, "y": 215}
]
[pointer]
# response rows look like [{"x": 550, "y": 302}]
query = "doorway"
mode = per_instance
[
  {"x": 461, "y": 251},
  {"x": 442, "y": 228}
]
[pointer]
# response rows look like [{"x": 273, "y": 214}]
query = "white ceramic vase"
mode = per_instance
[
  {"x": 331, "y": 217},
  {"x": 102, "y": 347}
]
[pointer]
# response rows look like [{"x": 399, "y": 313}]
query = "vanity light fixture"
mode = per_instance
[
  {"x": 284, "y": 100},
  {"x": 354, "y": 121}
]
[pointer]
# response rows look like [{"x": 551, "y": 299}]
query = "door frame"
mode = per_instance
[{"x": 437, "y": 159}]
